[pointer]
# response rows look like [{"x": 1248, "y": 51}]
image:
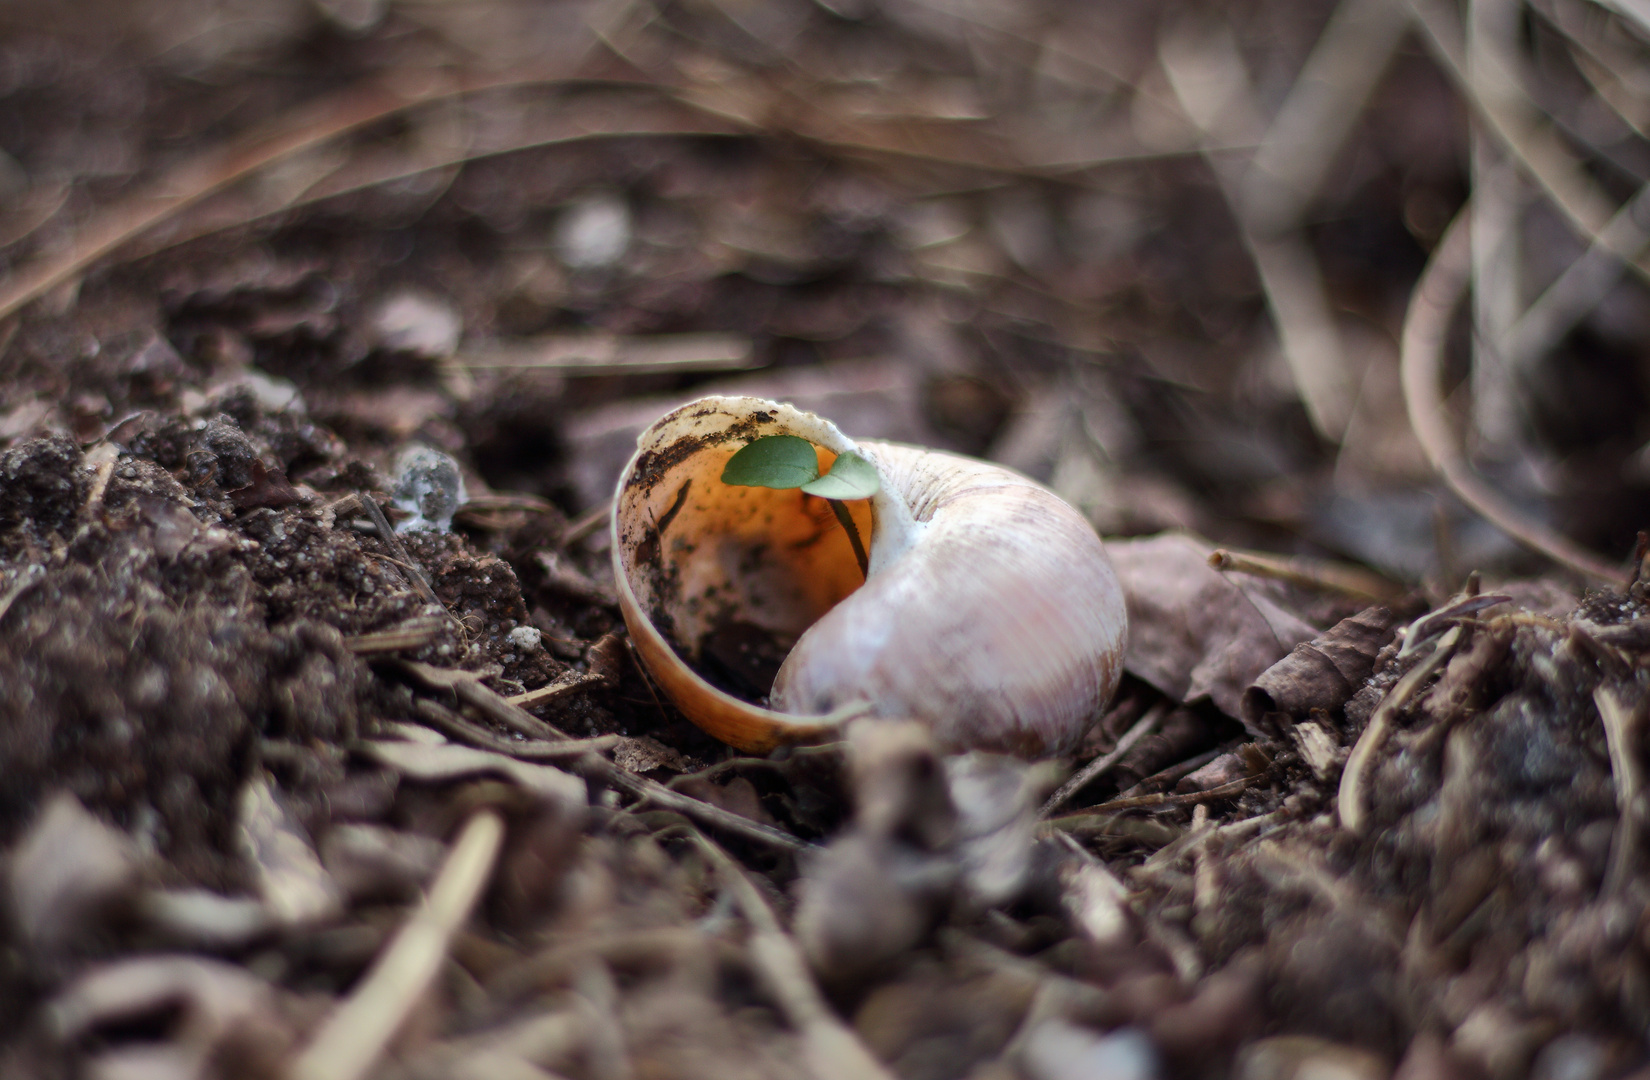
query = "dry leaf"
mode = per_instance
[{"x": 1195, "y": 632}]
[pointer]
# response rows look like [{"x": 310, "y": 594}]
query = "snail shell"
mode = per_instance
[{"x": 990, "y": 610}]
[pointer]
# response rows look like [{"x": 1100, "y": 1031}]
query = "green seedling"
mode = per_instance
[{"x": 786, "y": 461}]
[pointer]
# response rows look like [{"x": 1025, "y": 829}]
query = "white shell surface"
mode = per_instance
[{"x": 1002, "y": 626}]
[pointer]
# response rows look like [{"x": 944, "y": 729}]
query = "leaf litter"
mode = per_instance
[{"x": 324, "y": 751}]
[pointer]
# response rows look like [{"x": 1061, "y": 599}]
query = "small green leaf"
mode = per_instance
[
  {"x": 773, "y": 461},
  {"x": 851, "y": 477}
]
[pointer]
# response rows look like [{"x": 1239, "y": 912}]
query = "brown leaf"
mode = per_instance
[
  {"x": 1319, "y": 674},
  {"x": 1195, "y": 632}
]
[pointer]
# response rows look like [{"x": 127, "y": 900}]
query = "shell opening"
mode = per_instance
[{"x": 736, "y": 574}]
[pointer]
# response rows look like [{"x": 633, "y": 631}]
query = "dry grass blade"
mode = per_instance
[
  {"x": 605, "y": 354},
  {"x": 317, "y": 124},
  {"x": 193, "y": 181},
  {"x": 1320, "y": 111},
  {"x": 1580, "y": 288},
  {"x": 1621, "y": 725},
  {"x": 1312, "y": 573},
  {"x": 830, "y": 1048},
  {"x": 1497, "y": 222},
  {"x": 1494, "y": 92},
  {"x": 1209, "y": 78},
  {"x": 303, "y": 129},
  {"x": 1096, "y": 768},
  {"x": 352, "y": 1039},
  {"x": 1426, "y": 329},
  {"x": 1350, "y": 799}
]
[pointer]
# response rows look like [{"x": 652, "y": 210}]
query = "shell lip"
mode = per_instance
[
  {"x": 745, "y": 726},
  {"x": 742, "y": 725}
]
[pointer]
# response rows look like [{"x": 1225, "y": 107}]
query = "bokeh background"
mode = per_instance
[{"x": 1158, "y": 255}]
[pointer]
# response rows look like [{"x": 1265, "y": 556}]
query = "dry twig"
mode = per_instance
[
  {"x": 355, "y": 1035},
  {"x": 830, "y": 1048},
  {"x": 1426, "y": 329},
  {"x": 1621, "y": 734},
  {"x": 1142, "y": 727},
  {"x": 1313, "y": 573},
  {"x": 1350, "y": 798}
]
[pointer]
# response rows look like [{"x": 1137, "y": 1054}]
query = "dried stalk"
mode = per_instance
[
  {"x": 352, "y": 1039},
  {"x": 1353, "y": 581},
  {"x": 1209, "y": 78},
  {"x": 1426, "y": 328},
  {"x": 1098, "y": 767},
  {"x": 1620, "y": 733},
  {"x": 1350, "y": 799},
  {"x": 1495, "y": 94},
  {"x": 830, "y": 1049}
]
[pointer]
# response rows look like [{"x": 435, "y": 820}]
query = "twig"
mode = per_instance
[
  {"x": 638, "y": 787},
  {"x": 415, "y": 573},
  {"x": 492, "y": 705},
  {"x": 454, "y": 726},
  {"x": 405, "y": 636},
  {"x": 467, "y": 687},
  {"x": 1142, "y": 727},
  {"x": 569, "y": 682},
  {"x": 1164, "y": 777},
  {"x": 1620, "y": 733},
  {"x": 1350, "y": 799},
  {"x": 1325, "y": 101},
  {"x": 1145, "y": 831},
  {"x": 353, "y": 1038},
  {"x": 830, "y": 1049},
  {"x": 1138, "y": 802},
  {"x": 1426, "y": 328},
  {"x": 650, "y": 792},
  {"x": 1312, "y": 573},
  {"x": 591, "y": 521},
  {"x": 1495, "y": 93},
  {"x": 1210, "y": 80}
]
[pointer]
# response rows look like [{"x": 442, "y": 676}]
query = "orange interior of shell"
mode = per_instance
[{"x": 776, "y": 559}]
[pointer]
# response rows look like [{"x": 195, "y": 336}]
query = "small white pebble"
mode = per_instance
[{"x": 525, "y": 638}]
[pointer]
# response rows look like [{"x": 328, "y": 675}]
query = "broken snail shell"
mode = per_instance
[{"x": 990, "y": 610}]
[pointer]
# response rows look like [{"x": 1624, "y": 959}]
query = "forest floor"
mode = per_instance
[{"x": 304, "y": 774}]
